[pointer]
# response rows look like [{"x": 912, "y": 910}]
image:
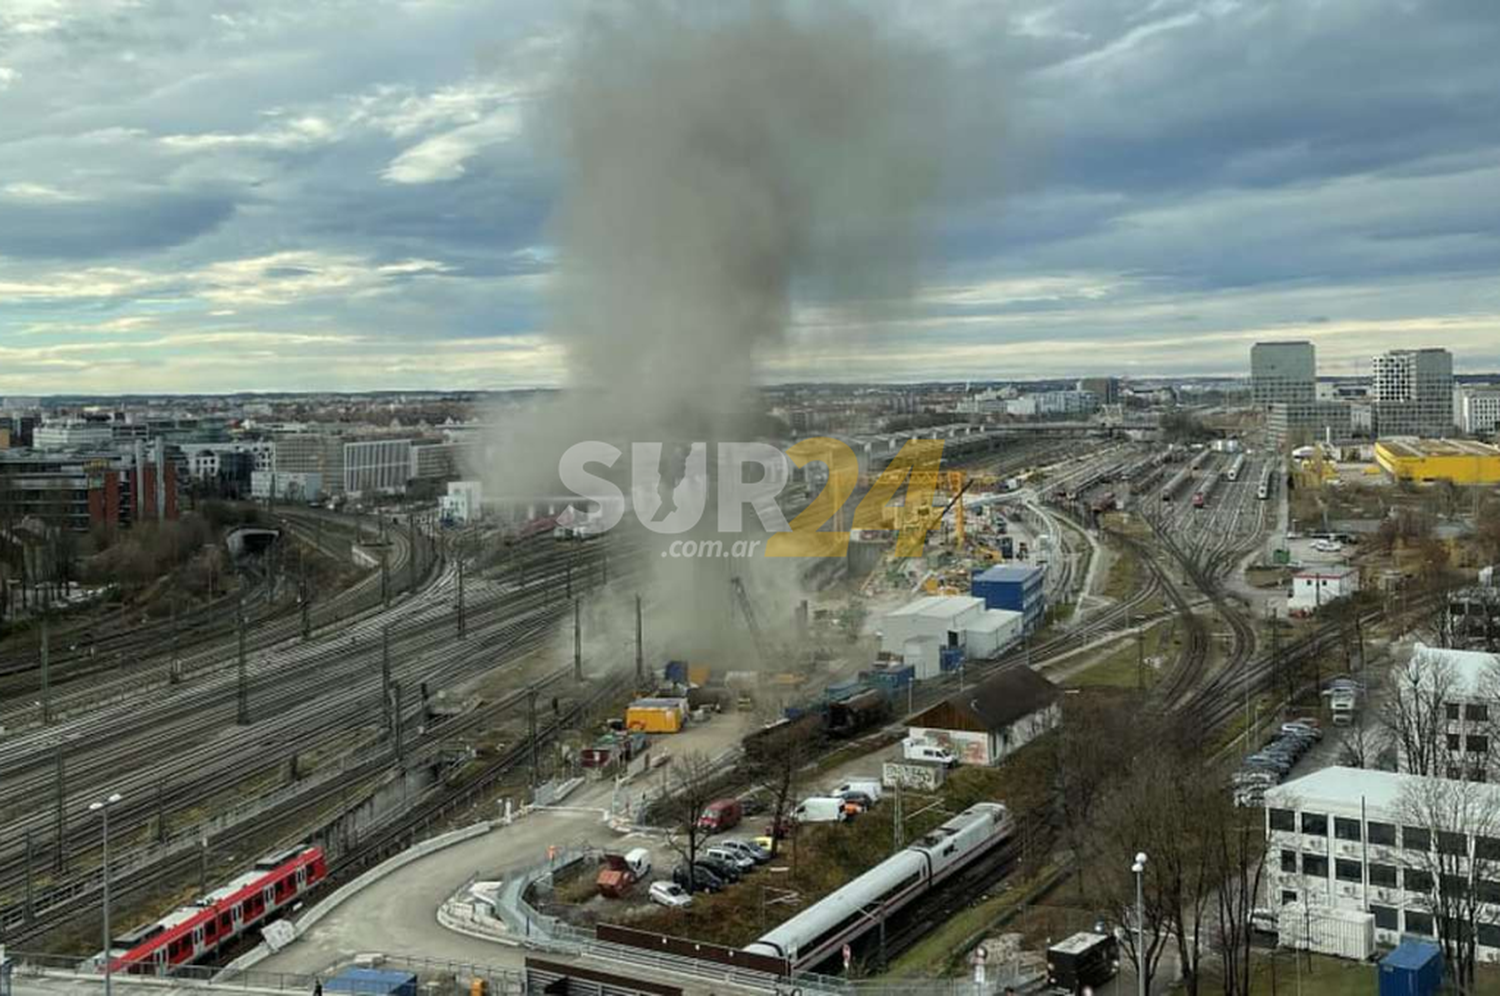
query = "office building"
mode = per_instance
[
  {"x": 1476, "y": 410},
  {"x": 71, "y": 434},
  {"x": 1105, "y": 389},
  {"x": 1450, "y": 695},
  {"x": 1301, "y": 422},
  {"x": 1356, "y": 840},
  {"x": 1283, "y": 373},
  {"x": 79, "y": 489},
  {"x": 311, "y": 454},
  {"x": 379, "y": 466},
  {"x": 1411, "y": 393}
]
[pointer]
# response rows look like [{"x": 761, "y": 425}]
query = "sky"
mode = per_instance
[{"x": 221, "y": 195}]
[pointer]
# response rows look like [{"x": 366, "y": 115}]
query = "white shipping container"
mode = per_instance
[{"x": 1326, "y": 930}]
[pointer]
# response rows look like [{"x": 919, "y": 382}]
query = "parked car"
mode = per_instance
[
  {"x": 1299, "y": 728},
  {"x": 753, "y": 805},
  {"x": 868, "y": 787},
  {"x": 729, "y": 871},
  {"x": 741, "y": 862},
  {"x": 754, "y": 852},
  {"x": 704, "y": 879},
  {"x": 858, "y": 798},
  {"x": 1263, "y": 921},
  {"x": 670, "y": 894}
]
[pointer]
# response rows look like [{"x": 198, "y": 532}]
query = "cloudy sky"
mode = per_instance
[{"x": 207, "y": 195}]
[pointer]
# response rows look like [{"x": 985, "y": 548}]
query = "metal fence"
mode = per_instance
[{"x": 458, "y": 975}]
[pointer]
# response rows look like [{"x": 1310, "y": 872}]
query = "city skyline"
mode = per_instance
[{"x": 283, "y": 206}]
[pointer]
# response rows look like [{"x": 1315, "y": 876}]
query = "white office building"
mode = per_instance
[
  {"x": 377, "y": 466},
  {"x": 1460, "y": 690},
  {"x": 1344, "y": 839},
  {"x": 71, "y": 434},
  {"x": 1316, "y": 587},
  {"x": 1476, "y": 410}
]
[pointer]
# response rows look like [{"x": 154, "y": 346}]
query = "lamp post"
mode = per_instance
[
  {"x": 1140, "y": 921},
  {"x": 102, "y": 808}
]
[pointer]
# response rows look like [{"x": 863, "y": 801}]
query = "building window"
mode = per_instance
[
  {"x": 1454, "y": 772},
  {"x": 1345, "y": 829},
  {"x": 1283, "y": 819},
  {"x": 1419, "y": 923},
  {"x": 1487, "y": 848},
  {"x": 1383, "y": 876},
  {"x": 1288, "y": 896},
  {"x": 1315, "y": 824},
  {"x": 1386, "y": 918},
  {"x": 1455, "y": 886},
  {"x": 1477, "y": 713},
  {"x": 1452, "y": 710},
  {"x": 1417, "y": 881},
  {"x": 1454, "y": 741},
  {"x": 1416, "y": 839},
  {"x": 1489, "y": 935},
  {"x": 1381, "y": 833},
  {"x": 1348, "y": 871},
  {"x": 1315, "y": 865},
  {"x": 1478, "y": 744},
  {"x": 1488, "y": 891},
  {"x": 1453, "y": 843},
  {"x": 1289, "y": 862}
]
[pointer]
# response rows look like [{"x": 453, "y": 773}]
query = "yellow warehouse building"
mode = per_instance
[{"x": 1461, "y": 461}]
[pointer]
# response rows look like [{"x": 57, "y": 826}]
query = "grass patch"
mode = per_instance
[{"x": 1120, "y": 668}]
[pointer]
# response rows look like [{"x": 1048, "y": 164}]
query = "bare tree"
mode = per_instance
[
  {"x": 691, "y": 786},
  {"x": 1415, "y": 713},
  {"x": 1451, "y": 844},
  {"x": 776, "y": 758},
  {"x": 1237, "y": 841}
]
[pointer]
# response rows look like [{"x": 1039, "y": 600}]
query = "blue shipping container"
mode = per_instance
[
  {"x": 372, "y": 982},
  {"x": 1415, "y": 968},
  {"x": 677, "y": 672}
]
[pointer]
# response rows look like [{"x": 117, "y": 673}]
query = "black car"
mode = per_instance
[
  {"x": 860, "y": 799},
  {"x": 706, "y": 880},
  {"x": 723, "y": 869}
]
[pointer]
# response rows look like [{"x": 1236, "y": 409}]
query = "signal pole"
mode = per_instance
[
  {"x": 577, "y": 642},
  {"x": 46, "y": 674},
  {"x": 536, "y": 771},
  {"x": 461, "y": 626},
  {"x": 640, "y": 657},
  {"x": 243, "y": 716},
  {"x": 61, "y": 862},
  {"x": 385, "y": 677}
]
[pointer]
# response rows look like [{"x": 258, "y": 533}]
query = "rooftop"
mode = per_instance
[
  {"x": 1009, "y": 572},
  {"x": 1414, "y": 448},
  {"x": 938, "y": 606},
  {"x": 1379, "y": 791},
  {"x": 994, "y": 704}
]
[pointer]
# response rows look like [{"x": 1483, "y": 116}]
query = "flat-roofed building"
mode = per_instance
[
  {"x": 1381, "y": 842},
  {"x": 1283, "y": 373},
  {"x": 1462, "y": 461}
]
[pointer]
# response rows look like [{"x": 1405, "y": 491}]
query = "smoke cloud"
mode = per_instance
[{"x": 723, "y": 164}]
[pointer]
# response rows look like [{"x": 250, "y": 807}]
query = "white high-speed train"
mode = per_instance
[{"x": 820, "y": 931}]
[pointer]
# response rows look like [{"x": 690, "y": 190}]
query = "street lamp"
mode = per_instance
[
  {"x": 1140, "y": 922},
  {"x": 102, "y": 808}
]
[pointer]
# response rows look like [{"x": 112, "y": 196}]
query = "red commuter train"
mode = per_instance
[{"x": 191, "y": 932}]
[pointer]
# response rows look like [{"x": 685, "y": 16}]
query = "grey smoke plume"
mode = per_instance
[
  {"x": 722, "y": 159},
  {"x": 722, "y": 163}
]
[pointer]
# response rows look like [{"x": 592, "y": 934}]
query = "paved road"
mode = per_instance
[{"x": 398, "y": 914}]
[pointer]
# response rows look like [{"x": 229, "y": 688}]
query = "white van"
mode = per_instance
[
  {"x": 867, "y": 786},
  {"x": 819, "y": 809},
  {"x": 638, "y": 860},
  {"x": 913, "y": 749}
]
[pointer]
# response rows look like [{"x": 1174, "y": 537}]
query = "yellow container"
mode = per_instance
[
  {"x": 698, "y": 673},
  {"x": 653, "y": 719}
]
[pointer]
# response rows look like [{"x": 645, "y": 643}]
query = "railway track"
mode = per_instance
[{"x": 300, "y": 717}]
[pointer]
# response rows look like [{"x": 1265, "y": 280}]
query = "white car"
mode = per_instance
[{"x": 670, "y": 894}]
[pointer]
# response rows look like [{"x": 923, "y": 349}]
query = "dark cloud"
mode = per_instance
[{"x": 98, "y": 230}]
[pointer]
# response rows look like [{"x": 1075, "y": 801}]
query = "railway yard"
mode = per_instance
[{"x": 361, "y": 721}]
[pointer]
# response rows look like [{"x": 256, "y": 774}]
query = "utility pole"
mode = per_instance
[
  {"x": 174, "y": 672},
  {"x": 385, "y": 677},
  {"x": 385, "y": 577},
  {"x": 243, "y": 716},
  {"x": 577, "y": 642},
  {"x": 536, "y": 770},
  {"x": 46, "y": 675},
  {"x": 898, "y": 836},
  {"x": 640, "y": 656},
  {"x": 411, "y": 552},
  {"x": 306, "y": 606},
  {"x": 461, "y": 626},
  {"x": 396, "y": 696},
  {"x": 30, "y": 907},
  {"x": 161, "y": 813},
  {"x": 61, "y": 862}
]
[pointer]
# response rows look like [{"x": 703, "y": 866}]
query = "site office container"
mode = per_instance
[
  {"x": 1415, "y": 968},
  {"x": 656, "y": 715},
  {"x": 1326, "y": 930},
  {"x": 372, "y": 982}
]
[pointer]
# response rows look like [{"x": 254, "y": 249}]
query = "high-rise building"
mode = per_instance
[
  {"x": 1411, "y": 393},
  {"x": 1283, "y": 373},
  {"x": 1105, "y": 389}
]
